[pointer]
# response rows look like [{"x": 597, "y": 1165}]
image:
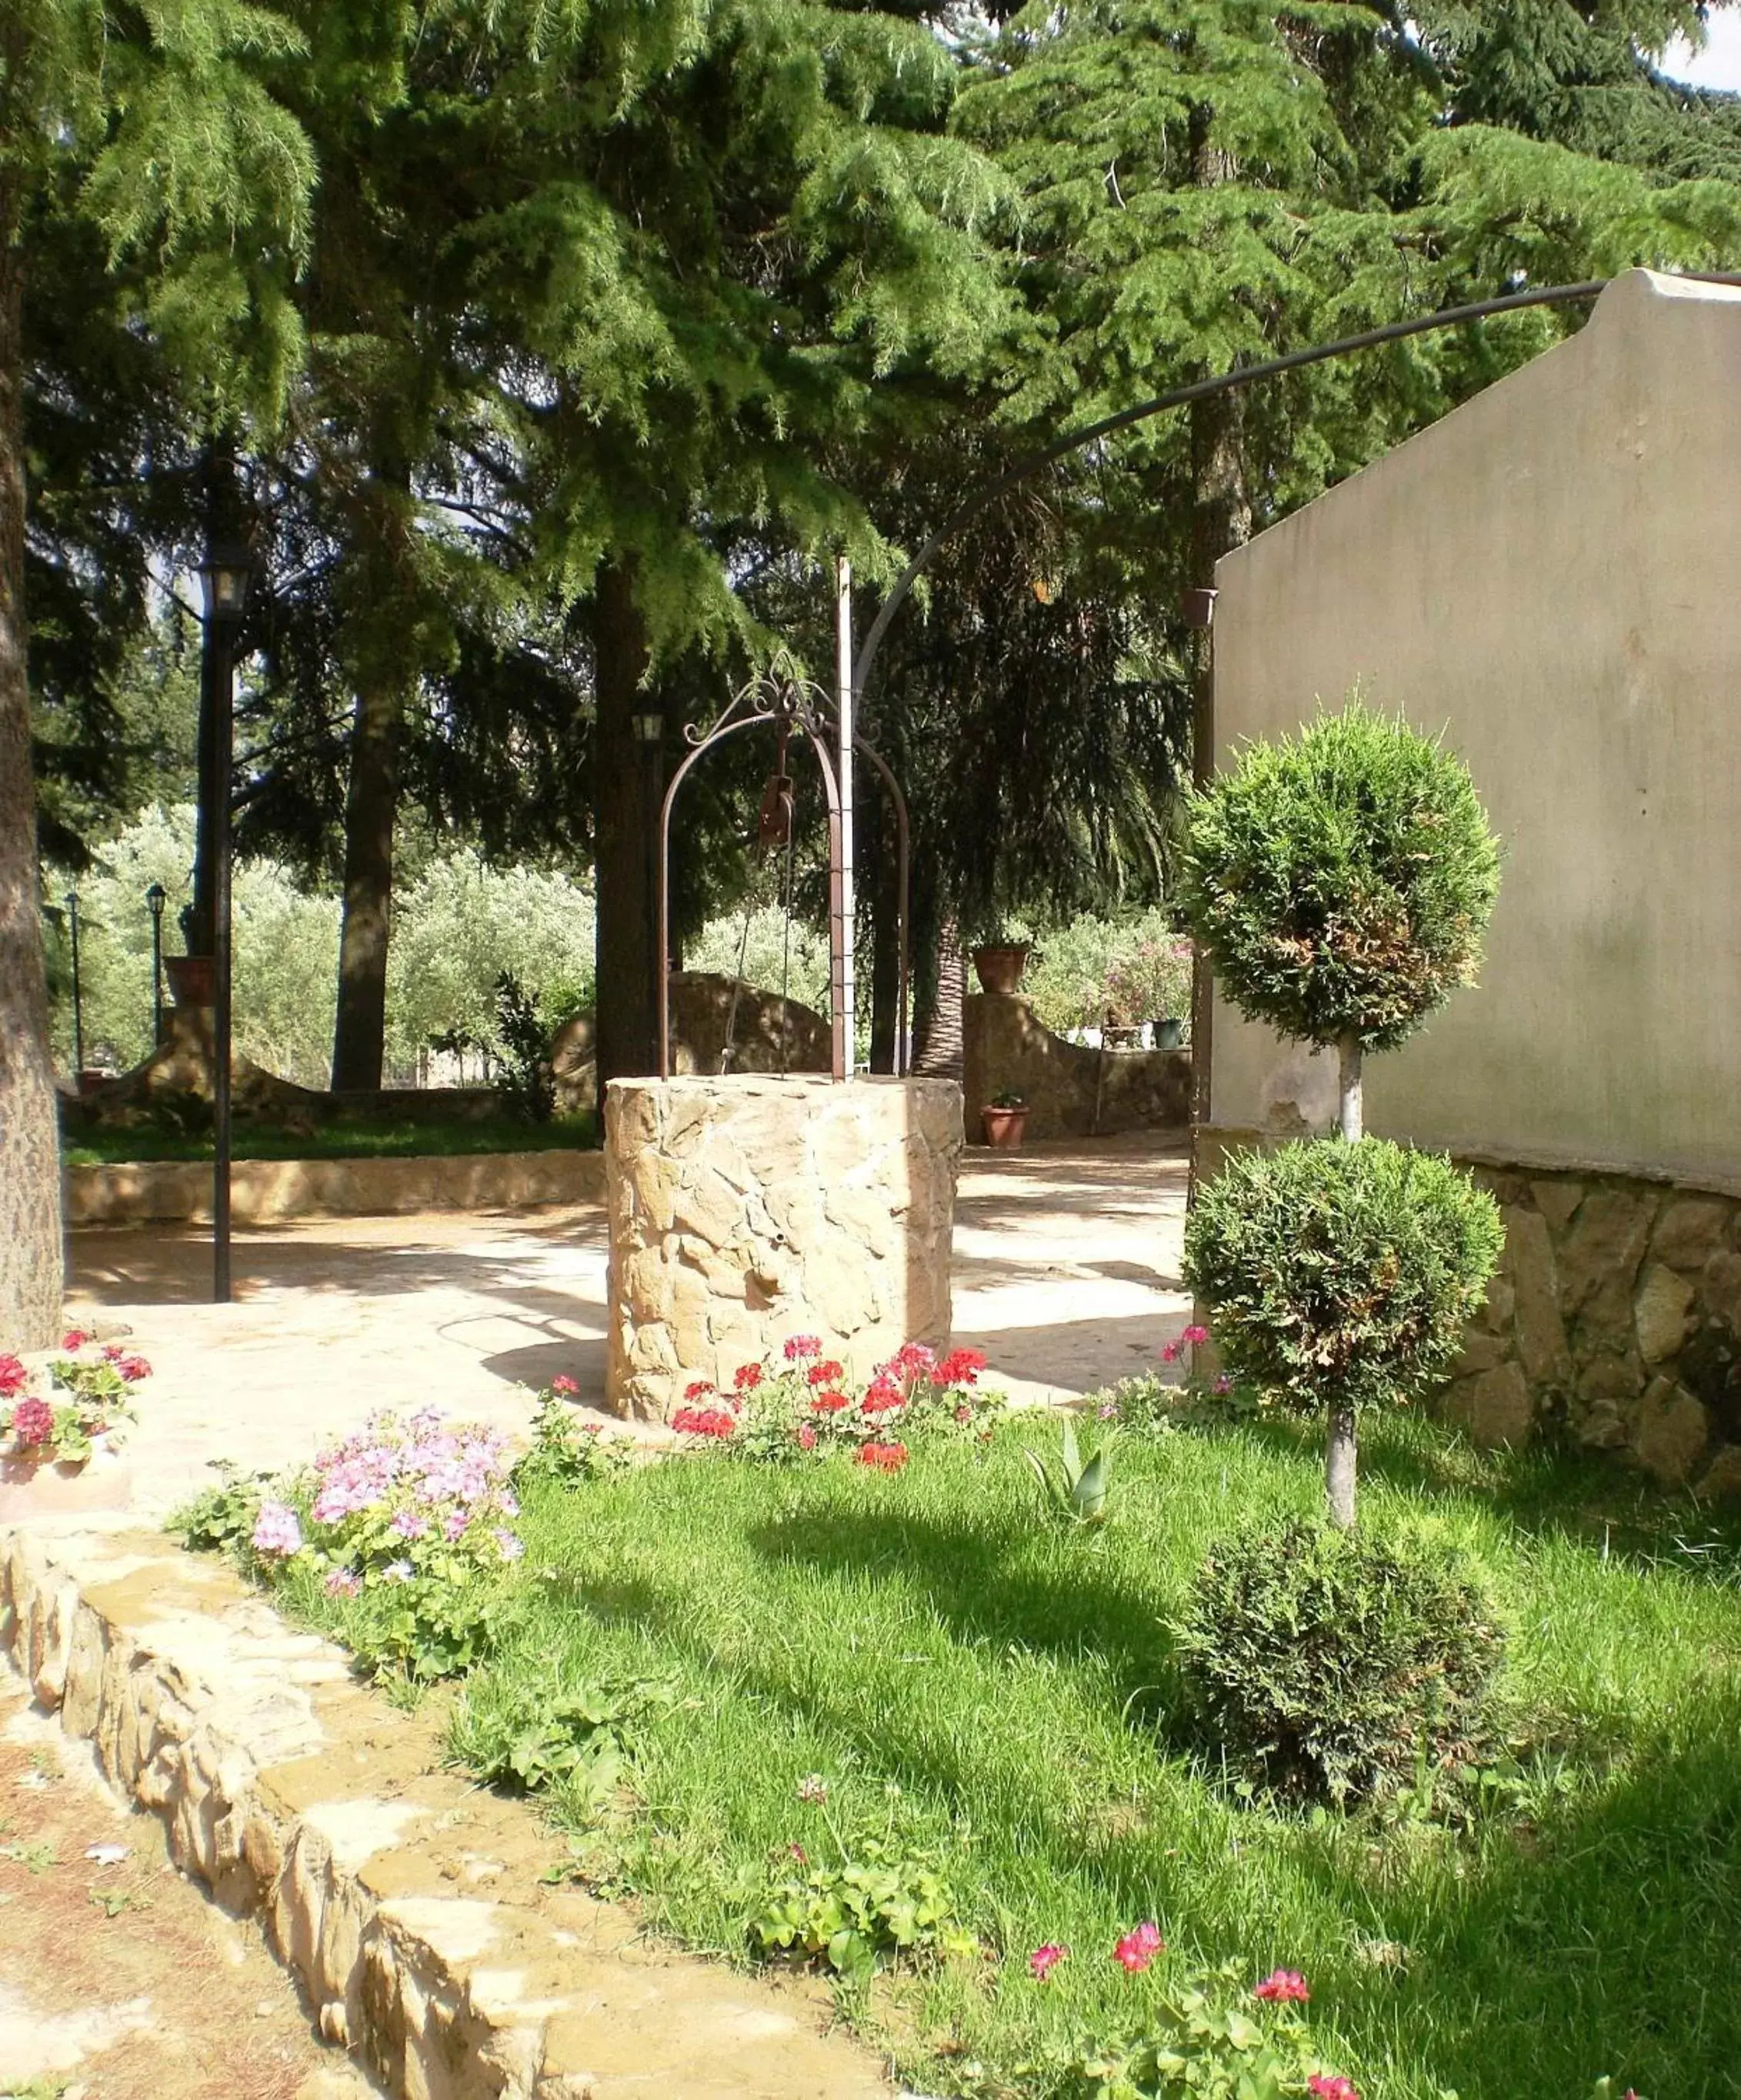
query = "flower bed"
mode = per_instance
[
  {"x": 903, "y": 1726},
  {"x": 62, "y": 1427}
]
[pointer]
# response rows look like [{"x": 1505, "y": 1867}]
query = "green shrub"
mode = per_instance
[
  {"x": 1341, "y": 1276},
  {"x": 1333, "y": 1665},
  {"x": 1341, "y": 881},
  {"x": 877, "y": 1904}
]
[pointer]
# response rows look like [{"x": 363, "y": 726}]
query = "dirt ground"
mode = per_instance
[{"x": 119, "y": 1980}]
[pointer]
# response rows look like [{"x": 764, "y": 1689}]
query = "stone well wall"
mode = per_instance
[
  {"x": 1614, "y": 1319},
  {"x": 748, "y": 1209},
  {"x": 1071, "y": 1090}
]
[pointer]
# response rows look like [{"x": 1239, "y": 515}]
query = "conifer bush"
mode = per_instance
[{"x": 1334, "y": 1666}]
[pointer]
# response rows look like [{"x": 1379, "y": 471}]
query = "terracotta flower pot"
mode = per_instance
[
  {"x": 48, "y": 1487},
  {"x": 1003, "y": 1127},
  {"x": 193, "y": 979},
  {"x": 999, "y": 969}
]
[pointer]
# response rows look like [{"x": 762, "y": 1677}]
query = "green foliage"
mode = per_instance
[
  {"x": 1145, "y": 1406},
  {"x": 565, "y": 1453},
  {"x": 876, "y": 1903},
  {"x": 579, "y": 1743},
  {"x": 1340, "y": 1275},
  {"x": 220, "y": 1519},
  {"x": 523, "y": 1075},
  {"x": 1340, "y": 880},
  {"x": 1073, "y": 1487},
  {"x": 1329, "y": 1666},
  {"x": 1197, "y": 2042}
]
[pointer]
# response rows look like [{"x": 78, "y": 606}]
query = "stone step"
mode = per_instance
[{"x": 408, "y": 1902}]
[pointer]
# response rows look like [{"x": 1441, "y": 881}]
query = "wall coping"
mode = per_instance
[{"x": 273, "y": 1191}]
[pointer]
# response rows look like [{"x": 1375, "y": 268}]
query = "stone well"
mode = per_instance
[{"x": 748, "y": 1209}]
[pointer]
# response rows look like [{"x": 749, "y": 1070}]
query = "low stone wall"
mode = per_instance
[
  {"x": 1614, "y": 1319},
  {"x": 415, "y": 1907},
  {"x": 271, "y": 1191},
  {"x": 746, "y": 1210},
  {"x": 1071, "y": 1090},
  {"x": 766, "y": 1033}
]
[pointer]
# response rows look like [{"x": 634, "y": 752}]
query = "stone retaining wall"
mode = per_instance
[
  {"x": 1615, "y": 1318},
  {"x": 269, "y": 1191},
  {"x": 409, "y": 1902},
  {"x": 1071, "y": 1089},
  {"x": 747, "y": 1210}
]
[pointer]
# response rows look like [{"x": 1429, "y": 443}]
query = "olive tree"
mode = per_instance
[{"x": 1340, "y": 883}]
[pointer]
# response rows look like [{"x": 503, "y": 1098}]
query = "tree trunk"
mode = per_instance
[
  {"x": 31, "y": 1276},
  {"x": 1351, "y": 1117},
  {"x": 1220, "y": 521},
  {"x": 371, "y": 811},
  {"x": 1338, "y": 1468},
  {"x": 627, "y": 967},
  {"x": 938, "y": 1052},
  {"x": 220, "y": 524}
]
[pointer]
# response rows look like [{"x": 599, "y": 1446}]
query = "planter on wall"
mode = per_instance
[
  {"x": 1003, "y": 1127},
  {"x": 193, "y": 979},
  {"x": 999, "y": 968},
  {"x": 1169, "y": 1034},
  {"x": 50, "y": 1487}
]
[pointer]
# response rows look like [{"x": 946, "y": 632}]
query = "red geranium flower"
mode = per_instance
[
  {"x": 75, "y": 1338},
  {"x": 703, "y": 1421},
  {"x": 883, "y": 1394},
  {"x": 961, "y": 1367},
  {"x": 33, "y": 1422},
  {"x": 830, "y": 1403},
  {"x": 1045, "y": 1959},
  {"x": 133, "y": 1369},
  {"x": 747, "y": 1378},
  {"x": 1137, "y": 1949},
  {"x": 825, "y": 1373},
  {"x": 886, "y": 1458},
  {"x": 563, "y": 1383},
  {"x": 699, "y": 1390},
  {"x": 912, "y": 1360},
  {"x": 12, "y": 1375},
  {"x": 1283, "y": 1987}
]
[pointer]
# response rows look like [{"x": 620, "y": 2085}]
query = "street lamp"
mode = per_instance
[
  {"x": 223, "y": 590},
  {"x": 156, "y": 898},
  {"x": 71, "y": 902}
]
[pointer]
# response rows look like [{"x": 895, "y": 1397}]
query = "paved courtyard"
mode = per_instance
[{"x": 1065, "y": 1274}]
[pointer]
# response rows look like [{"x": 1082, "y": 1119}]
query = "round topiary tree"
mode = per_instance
[
  {"x": 1340, "y": 884},
  {"x": 1340, "y": 1277}
]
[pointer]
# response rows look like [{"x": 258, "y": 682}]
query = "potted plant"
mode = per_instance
[
  {"x": 1004, "y": 1118},
  {"x": 998, "y": 965},
  {"x": 1170, "y": 1032},
  {"x": 62, "y": 1449}
]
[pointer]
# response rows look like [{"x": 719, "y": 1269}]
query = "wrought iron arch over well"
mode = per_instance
[{"x": 782, "y": 699}]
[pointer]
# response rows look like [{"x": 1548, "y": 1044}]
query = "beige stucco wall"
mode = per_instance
[{"x": 1552, "y": 575}]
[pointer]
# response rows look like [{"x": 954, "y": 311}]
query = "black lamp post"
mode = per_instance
[
  {"x": 649, "y": 726},
  {"x": 156, "y": 898},
  {"x": 224, "y": 587},
  {"x": 71, "y": 902}
]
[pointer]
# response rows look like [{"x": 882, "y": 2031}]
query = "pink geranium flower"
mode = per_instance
[
  {"x": 1283, "y": 1987},
  {"x": 75, "y": 1338},
  {"x": 1138, "y": 1948},
  {"x": 564, "y": 1384},
  {"x": 277, "y": 1532},
  {"x": 33, "y": 1423},
  {"x": 1045, "y": 1959},
  {"x": 12, "y": 1375},
  {"x": 807, "y": 1435},
  {"x": 802, "y": 1346},
  {"x": 1329, "y": 2087}
]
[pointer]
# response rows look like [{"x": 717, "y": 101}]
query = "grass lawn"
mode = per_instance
[
  {"x": 373, "y": 1137},
  {"x": 998, "y": 1687}
]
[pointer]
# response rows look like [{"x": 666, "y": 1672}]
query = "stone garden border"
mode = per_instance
[
  {"x": 409, "y": 1903},
  {"x": 272, "y": 1191}
]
